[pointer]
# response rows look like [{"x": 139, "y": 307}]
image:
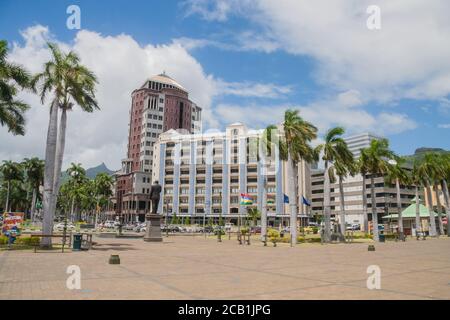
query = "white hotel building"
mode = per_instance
[{"x": 203, "y": 175}]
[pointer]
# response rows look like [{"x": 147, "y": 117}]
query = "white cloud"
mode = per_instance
[
  {"x": 217, "y": 10},
  {"x": 444, "y": 126},
  {"x": 407, "y": 58},
  {"x": 121, "y": 65},
  {"x": 251, "y": 89},
  {"x": 243, "y": 41},
  {"x": 338, "y": 110}
]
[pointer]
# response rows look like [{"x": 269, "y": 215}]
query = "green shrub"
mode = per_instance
[
  {"x": 27, "y": 241},
  {"x": 273, "y": 235},
  {"x": 301, "y": 239},
  {"x": 244, "y": 231},
  {"x": 315, "y": 230},
  {"x": 3, "y": 240}
]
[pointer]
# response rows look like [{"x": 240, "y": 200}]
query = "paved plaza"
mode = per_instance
[{"x": 184, "y": 267}]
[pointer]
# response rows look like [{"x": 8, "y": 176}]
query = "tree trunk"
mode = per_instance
[
  {"x": 264, "y": 210},
  {"x": 49, "y": 169},
  {"x": 326, "y": 205},
  {"x": 418, "y": 220},
  {"x": 33, "y": 204},
  {"x": 342, "y": 201},
  {"x": 292, "y": 200},
  {"x": 447, "y": 204},
  {"x": 399, "y": 208},
  {"x": 8, "y": 183},
  {"x": 364, "y": 201},
  {"x": 59, "y": 155},
  {"x": 374, "y": 209},
  {"x": 439, "y": 208},
  {"x": 72, "y": 209},
  {"x": 433, "y": 232}
]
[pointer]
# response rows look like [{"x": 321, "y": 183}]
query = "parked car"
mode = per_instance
[
  {"x": 108, "y": 224},
  {"x": 353, "y": 227},
  {"x": 208, "y": 229},
  {"x": 228, "y": 226},
  {"x": 129, "y": 226},
  {"x": 60, "y": 227},
  {"x": 141, "y": 227},
  {"x": 255, "y": 229}
]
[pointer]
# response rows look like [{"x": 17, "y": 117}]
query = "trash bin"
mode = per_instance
[
  {"x": 76, "y": 242},
  {"x": 382, "y": 237}
]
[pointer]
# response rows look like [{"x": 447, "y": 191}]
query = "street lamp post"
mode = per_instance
[
  {"x": 219, "y": 232},
  {"x": 167, "y": 217},
  {"x": 204, "y": 218}
]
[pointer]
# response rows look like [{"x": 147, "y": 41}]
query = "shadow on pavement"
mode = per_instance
[{"x": 113, "y": 246}]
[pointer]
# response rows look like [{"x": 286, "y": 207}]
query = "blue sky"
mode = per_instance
[{"x": 262, "y": 58}]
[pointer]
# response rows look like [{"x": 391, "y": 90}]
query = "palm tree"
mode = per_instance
[
  {"x": 438, "y": 175},
  {"x": 375, "y": 161},
  {"x": 426, "y": 171},
  {"x": 102, "y": 186},
  {"x": 34, "y": 169},
  {"x": 397, "y": 174},
  {"x": 11, "y": 171},
  {"x": 12, "y": 77},
  {"x": 294, "y": 145},
  {"x": 363, "y": 170},
  {"x": 337, "y": 157},
  {"x": 344, "y": 165},
  {"x": 77, "y": 178},
  {"x": 70, "y": 83},
  {"x": 418, "y": 182},
  {"x": 253, "y": 215},
  {"x": 446, "y": 176}
]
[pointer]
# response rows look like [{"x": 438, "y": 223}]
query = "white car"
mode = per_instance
[
  {"x": 108, "y": 224},
  {"x": 60, "y": 227}
]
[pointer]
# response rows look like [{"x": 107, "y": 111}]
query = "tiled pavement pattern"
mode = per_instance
[{"x": 184, "y": 267}]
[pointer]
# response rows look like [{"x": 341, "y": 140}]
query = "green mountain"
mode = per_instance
[
  {"x": 420, "y": 153},
  {"x": 91, "y": 173}
]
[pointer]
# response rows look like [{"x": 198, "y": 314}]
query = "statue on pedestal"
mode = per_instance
[{"x": 153, "y": 230}]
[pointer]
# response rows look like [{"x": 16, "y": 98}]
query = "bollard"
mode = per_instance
[
  {"x": 114, "y": 259},
  {"x": 371, "y": 247}
]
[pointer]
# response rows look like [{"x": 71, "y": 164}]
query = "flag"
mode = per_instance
[
  {"x": 286, "y": 199},
  {"x": 305, "y": 201},
  {"x": 246, "y": 200}
]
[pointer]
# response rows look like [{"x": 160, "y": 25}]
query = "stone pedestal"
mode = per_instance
[{"x": 153, "y": 232}]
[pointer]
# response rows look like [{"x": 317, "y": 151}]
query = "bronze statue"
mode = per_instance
[
  {"x": 153, "y": 230},
  {"x": 155, "y": 196}
]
